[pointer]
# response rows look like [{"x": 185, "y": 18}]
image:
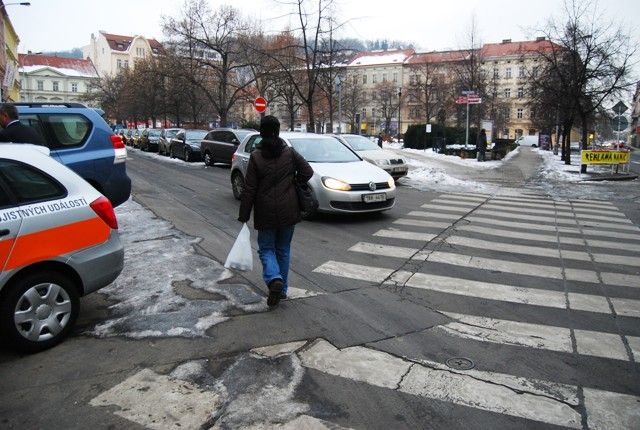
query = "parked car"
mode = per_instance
[
  {"x": 220, "y": 144},
  {"x": 165, "y": 140},
  {"x": 342, "y": 182},
  {"x": 186, "y": 144},
  {"x": 149, "y": 139},
  {"x": 387, "y": 160},
  {"x": 59, "y": 241},
  {"x": 531, "y": 141},
  {"x": 80, "y": 138}
]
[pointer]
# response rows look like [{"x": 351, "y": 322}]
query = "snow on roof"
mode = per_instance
[
  {"x": 67, "y": 66},
  {"x": 381, "y": 57}
]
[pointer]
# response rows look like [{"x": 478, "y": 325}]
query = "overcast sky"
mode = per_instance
[{"x": 56, "y": 25}]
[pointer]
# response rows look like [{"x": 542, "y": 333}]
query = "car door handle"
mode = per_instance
[{"x": 4, "y": 232}]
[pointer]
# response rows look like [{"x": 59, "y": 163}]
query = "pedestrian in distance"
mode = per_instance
[
  {"x": 269, "y": 189},
  {"x": 13, "y": 130},
  {"x": 380, "y": 140},
  {"x": 482, "y": 145}
]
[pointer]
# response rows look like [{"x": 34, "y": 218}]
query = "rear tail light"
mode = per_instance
[
  {"x": 121, "y": 150},
  {"x": 103, "y": 208}
]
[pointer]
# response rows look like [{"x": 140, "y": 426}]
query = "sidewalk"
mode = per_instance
[{"x": 520, "y": 167}]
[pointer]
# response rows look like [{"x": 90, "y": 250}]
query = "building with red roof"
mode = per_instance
[
  {"x": 112, "y": 53},
  {"x": 46, "y": 78}
]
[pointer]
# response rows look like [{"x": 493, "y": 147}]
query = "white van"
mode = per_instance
[{"x": 531, "y": 141}]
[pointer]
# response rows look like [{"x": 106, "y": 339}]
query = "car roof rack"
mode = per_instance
[{"x": 69, "y": 105}]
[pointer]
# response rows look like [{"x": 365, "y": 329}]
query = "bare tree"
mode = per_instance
[
  {"x": 354, "y": 98},
  {"x": 388, "y": 100},
  {"x": 210, "y": 39},
  {"x": 590, "y": 63},
  {"x": 307, "y": 42}
]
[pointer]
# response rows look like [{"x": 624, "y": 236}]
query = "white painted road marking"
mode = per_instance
[
  {"x": 408, "y": 235},
  {"x": 421, "y": 223}
]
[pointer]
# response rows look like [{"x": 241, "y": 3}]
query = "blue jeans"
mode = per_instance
[{"x": 274, "y": 249}]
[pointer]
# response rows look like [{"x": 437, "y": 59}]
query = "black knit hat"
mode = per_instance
[{"x": 269, "y": 126}]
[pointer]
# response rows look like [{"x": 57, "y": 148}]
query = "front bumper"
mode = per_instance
[{"x": 353, "y": 201}]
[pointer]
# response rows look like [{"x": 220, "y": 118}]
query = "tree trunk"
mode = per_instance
[{"x": 583, "y": 145}]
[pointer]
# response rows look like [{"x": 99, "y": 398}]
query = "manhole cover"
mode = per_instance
[{"x": 460, "y": 363}]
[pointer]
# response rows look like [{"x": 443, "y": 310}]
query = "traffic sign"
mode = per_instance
[
  {"x": 474, "y": 100},
  {"x": 469, "y": 92},
  {"x": 260, "y": 104},
  {"x": 619, "y": 122},
  {"x": 620, "y": 108},
  {"x": 462, "y": 100}
]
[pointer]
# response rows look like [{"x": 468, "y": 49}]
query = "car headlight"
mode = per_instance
[
  {"x": 382, "y": 162},
  {"x": 391, "y": 182},
  {"x": 335, "y": 184}
]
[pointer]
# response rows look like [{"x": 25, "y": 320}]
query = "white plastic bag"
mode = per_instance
[{"x": 240, "y": 257}]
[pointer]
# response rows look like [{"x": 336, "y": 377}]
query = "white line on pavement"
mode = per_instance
[
  {"x": 538, "y": 336},
  {"x": 446, "y": 208},
  {"x": 408, "y": 235},
  {"x": 434, "y": 215},
  {"x": 421, "y": 223}
]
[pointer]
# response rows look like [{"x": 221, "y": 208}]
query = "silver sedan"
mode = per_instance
[{"x": 342, "y": 182}]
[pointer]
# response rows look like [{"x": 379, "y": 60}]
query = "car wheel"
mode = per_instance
[
  {"x": 237, "y": 184},
  {"x": 534, "y": 146},
  {"x": 38, "y": 311},
  {"x": 208, "y": 159},
  {"x": 187, "y": 155}
]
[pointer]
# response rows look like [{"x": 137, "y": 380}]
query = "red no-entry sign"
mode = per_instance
[{"x": 260, "y": 104}]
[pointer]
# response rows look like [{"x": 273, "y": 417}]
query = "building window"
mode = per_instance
[
  {"x": 508, "y": 73},
  {"x": 507, "y": 113},
  {"x": 56, "y": 86},
  {"x": 520, "y": 92},
  {"x": 40, "y": 85},
  {"x": 535, "y": 71},
  {"x": 364, "y": 114},
  {"x": 74, "y": 87},
  {"x": 126, "y": 64},
  {"x": 364, "y": 79},
  {"x": 507, "y": 92},
  {"x": 140, "y": 52},
  {"x": 374, "y": 78},
  {"x": 384, "y": 77},
  {"x": 119, "y": 63},
  {"x": 520, "y": 113},
  {"x": 495, "y": 73},
  {"x": 521, "y": 72},
  {"x": 395, "y": 77}
]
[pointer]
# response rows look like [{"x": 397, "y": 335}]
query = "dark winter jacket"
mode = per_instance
[
  {"x": 482, "y": 142},
  {"x": 269, "y": 185},
  {"x": 17, "y": 132}
]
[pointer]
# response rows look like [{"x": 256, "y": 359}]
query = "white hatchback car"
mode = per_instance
[
  {"x": 387, "y": 160},
  {"x": 342, "y": 182},
  {"x": 58, "y": 241}
]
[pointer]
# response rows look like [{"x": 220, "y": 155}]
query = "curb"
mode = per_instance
[{"x": 621, "y": 177}]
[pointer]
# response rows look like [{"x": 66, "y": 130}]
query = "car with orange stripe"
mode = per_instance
[{"x": 59, "y": 241}]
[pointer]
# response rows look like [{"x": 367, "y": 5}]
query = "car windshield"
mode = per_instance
[
  {"x": 171, "y": 133},
  {"x": 242, "y": 134},
  {"x": 154, "y": 132},
  {"x": 196, "y": 134},
  {"x": 323, "y": 150},
  {"x": 360, "y": 143}
]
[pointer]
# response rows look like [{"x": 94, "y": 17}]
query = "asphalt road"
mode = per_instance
[{"x": 537, "y": 296}]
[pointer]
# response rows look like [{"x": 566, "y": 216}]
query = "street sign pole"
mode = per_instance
[{"x": 466, "y": 136}]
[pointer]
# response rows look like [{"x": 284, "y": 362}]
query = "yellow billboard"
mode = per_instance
[{"x": 605, "y": 157}]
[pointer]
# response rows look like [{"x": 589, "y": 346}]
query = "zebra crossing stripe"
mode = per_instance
[
  {"x": 472, "y": 198},
  {"x": 383, "y": 250},
  {"x": 483, "y": 290},
  {"x": 434, "y": 215},
  {"x": 408, "y": 235},
  {"x": 528, "y": 203},
  {"x": 421, "y": 223},
  {"x": 634, "y": 344},
  {"x": 524, "y": 216},
  {"x": 551, "y": 212},
  {"x": 536, "y": 399},
  {"x": 445, "y": 208},
  {"x": 561, "y": 222},
  {"x": 522, "y": 225},
  {"x": 526, "y": 269},
  {"x": 591, "y": 203},
  {"x": 621, "y": 218},
  {"x": 552, "y": 338},
  {"x": 543, "y": 252},
  {"x": 454, "y": 203},
  {"x": 612, "y": 211}
]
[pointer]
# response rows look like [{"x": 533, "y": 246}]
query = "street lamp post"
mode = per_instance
[
  {"x": 399, "y": 117},
  {"x": 23, "y": 3}
]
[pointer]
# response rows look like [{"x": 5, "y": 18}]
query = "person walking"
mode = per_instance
[
  {"x": 482, "y": 145},
  {"x": 380, "y": 140},
  {"x": 269, "y": 189},
  {"x": 13, "y": 130}
]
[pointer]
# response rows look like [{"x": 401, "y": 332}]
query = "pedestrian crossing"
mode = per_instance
[{"x": 574, "y": 261}]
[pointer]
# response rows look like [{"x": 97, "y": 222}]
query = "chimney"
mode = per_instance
[
  {"x": 506, "y": 40},
  {"x": 540, "y": 39}
]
